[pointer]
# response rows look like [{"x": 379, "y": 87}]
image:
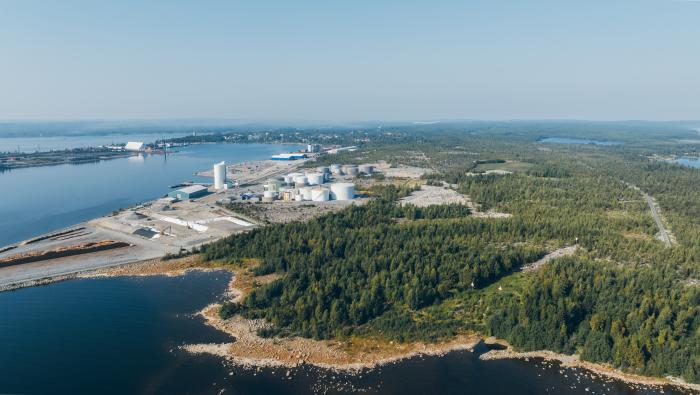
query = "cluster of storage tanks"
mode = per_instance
[
  {"x": 312, "y": 185},
  {"x": 309, "y": 186},
  {"x": 351, "y": 170}
]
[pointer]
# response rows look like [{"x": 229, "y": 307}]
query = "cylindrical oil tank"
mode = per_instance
[
  {"x": 300, "y": 180},
  {"x": 343, "y": 191},
  {"x": 350, "y": 170},
  {"x": 336, "y": 169},
  {"x": 268, "y": 199},
  {"x": 324, "y": 169},
  {"x": 219, "y": 175},
  {"x": 305, "y": 193},
  {"x": 320, "y": 195},
  {"x": 367, "y": 169},
  {"x": 270, "y": 194},
  {"x": 298, "y": 198},
  {"x": 315, "y": 178},
  {"x": 291, "y": 177}
]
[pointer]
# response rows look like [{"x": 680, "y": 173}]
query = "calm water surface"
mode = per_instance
[
  {"x": 34, "y": 144},
  {"x": 567, "y": 140},
  {"x": 41, "y": 199},
  {"x": 690, "y": 162},
  {"x": 122, "y": 336}
]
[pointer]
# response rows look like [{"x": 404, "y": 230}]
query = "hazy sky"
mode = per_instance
[{"x": 350, "y": 60}]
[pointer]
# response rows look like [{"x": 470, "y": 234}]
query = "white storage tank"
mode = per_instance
[
  {"x": 219, "y": 175},
  {"x": 350, "y": 170},
  {"x": 300, "y": 180},
  {"x": 298, "y": 198},
  {"x": 367, "y": 169},
  {"x": 324, "y": 169},
  {"x": 343, "y": 191},
  {"x": 305, "y": 193},
  {"x": 270, "y": 194},
  {"x": 315, "y": 178},
  {"x": 320, "y": 195},
  {"x": 291, "y": 177},
  {"x": 336, "y": 169}
]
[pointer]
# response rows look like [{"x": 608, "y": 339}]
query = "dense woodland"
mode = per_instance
[{"x": 405, "y": 273}]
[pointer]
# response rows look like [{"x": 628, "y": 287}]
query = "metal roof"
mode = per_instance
[{"x": 192, "y": 189}]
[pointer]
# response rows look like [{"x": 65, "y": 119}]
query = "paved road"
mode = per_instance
[{"x": 663, "y": 233}]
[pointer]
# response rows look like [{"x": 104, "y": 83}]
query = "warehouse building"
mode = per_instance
[
  {"x": 134, "y": 146},
  {"x": 288, "y": 156},
  {"x": 190, "y": 192}
]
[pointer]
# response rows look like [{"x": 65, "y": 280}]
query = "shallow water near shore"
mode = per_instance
[{"x": 122, "y": 335}]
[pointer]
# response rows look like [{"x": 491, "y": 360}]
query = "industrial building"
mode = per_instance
[
  {"x": 134, "y": 146},
  {"x": 341, "y": 149},
  {"x": 191, "y": 192},
  {"x": 313, "y": 148},
  {"x": 288, "y": 156}
]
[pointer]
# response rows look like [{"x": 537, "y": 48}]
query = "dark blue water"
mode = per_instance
[
  {"x": 690, "y": 162},
  {"x": 121, "y": 336},
  {"x": 106, "y": 335},
  {"x": 567, "y": 140},
  {"x": 42, "y": 199}
]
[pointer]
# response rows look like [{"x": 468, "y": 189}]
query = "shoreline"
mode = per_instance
[
  {"x": 352, "y": 355},
  {"x": 245, "y": 351},
  {"x": 574, "y": 361}
]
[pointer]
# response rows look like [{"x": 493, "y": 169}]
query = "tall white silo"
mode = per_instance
[{"x": 220, "y": 175}]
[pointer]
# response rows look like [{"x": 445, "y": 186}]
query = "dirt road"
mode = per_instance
[{"x": 565, "y": 251}]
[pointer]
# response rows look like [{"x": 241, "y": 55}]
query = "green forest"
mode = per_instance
[{"x": 406, "y": 273}]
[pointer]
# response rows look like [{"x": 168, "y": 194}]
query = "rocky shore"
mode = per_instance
[
  {"x": 354, "y": 354},
  {"x": 574, "y": 361}
]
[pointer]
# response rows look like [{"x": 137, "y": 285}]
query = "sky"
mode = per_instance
[{"x": 350, "y": 60}]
